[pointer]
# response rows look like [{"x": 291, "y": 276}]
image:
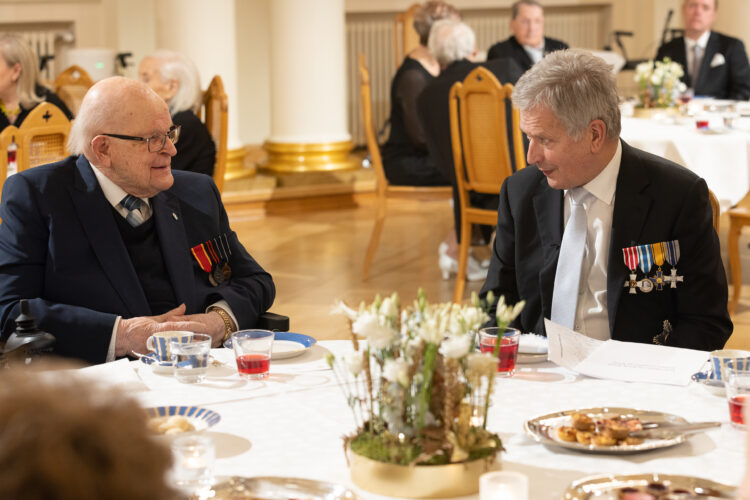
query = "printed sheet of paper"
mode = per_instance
[{"x": 627, "y": 361}]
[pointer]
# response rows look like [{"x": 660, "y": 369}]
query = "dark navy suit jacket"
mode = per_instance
[
  {"x": 730, "y": 80},
  {"x": 655, "y": 201},
  {"x": 60, "y": 247},
  {"x": 514, "y": 50}
]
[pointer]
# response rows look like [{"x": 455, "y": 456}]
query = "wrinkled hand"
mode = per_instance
[{"x": 133, "y": 332}]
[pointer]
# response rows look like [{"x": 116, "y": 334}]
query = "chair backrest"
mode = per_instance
[
  {"x": 71, "y": 85},
  {"x": 41, "y": 138},
  {"x": 405, "y": 37},
  {"x": 479, "y": 132},
  {"x": 715, "y": 209},
  {"x": 372, "y": 143},
  {"x": 215, "y": 114}
]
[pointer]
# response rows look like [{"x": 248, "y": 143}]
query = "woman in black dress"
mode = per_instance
[
  {"x": 175, "y": 78},
  {"x": 20, "y": 86}
]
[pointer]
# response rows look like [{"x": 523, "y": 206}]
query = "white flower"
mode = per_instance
[
  {"x": 468, "y": 319},
  {"x": 379, "y": 335},
  {"x": 506, "y": 314},
  {"x": 355, "y": 362},
  {"x": 430, "y": 331},
  {"x": 456, "y": 347},
  {"x": 340, "y": 308},
  {"x": 396, "y": 370},
  {"x": 481, "y": 364},
  {"x": 389, "y": 306}
]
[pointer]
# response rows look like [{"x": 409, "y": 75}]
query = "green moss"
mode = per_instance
[{"x": 385, "y": 447}]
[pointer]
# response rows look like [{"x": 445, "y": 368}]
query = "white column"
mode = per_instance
[{"x": 308, "y": 87}]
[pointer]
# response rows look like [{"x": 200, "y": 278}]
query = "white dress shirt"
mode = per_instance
[
  {"x": 592, "y": 318},
  {"x": 535, "y": 53}
]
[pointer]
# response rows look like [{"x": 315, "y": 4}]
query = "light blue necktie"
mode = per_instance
[
  {"x": 568, "y": 273},
  {"x": 133, "y": 205}
]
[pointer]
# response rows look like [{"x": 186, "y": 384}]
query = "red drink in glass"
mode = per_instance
[
  {"x": 507, "y": 355},
  {"x": 253, "y": 364},
  {"x": 736, "y": 407},
  {"x": 701, "y": 124}
]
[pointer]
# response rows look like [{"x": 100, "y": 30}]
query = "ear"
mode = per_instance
[
  {"x": 100, "y": 146},
  {"x": 16, "y": 72},
  {"x": 172, "y": 88},
  {"x": 598, "y": 131}
]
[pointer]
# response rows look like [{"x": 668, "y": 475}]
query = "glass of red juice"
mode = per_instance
[
  {"x": 252, "y": 351},
  {"x": 506, "y": 352},
  {"x": 737, "y": 384}
]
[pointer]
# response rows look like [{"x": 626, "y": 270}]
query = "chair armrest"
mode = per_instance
[{"x": 274, "y": 322}]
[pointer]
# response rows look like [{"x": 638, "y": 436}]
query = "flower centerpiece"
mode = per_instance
[
  {"x": 659, "y": 83},
  {"x": 420, "y": 394}
]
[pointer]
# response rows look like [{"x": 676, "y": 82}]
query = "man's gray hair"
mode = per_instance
[
  {"x": 516, "y": 5},
  {"x": 178, "y": 67},
  {"x": 451, "y": 40},
  {"x": 576, "y": 86}
]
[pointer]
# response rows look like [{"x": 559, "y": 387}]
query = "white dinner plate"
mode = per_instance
[{"x": 286, "y": 344}]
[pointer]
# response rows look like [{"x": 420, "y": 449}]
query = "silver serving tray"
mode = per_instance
[
  {"x": 605, "y": 487},
  {"x": 272, "y": 487},
  {"x": 544, "y": 430}
]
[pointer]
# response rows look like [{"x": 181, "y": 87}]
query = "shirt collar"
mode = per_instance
[
  {"x": 112, "y": 191},
  {"x": 603, "y": 186},
  {"x": 701, "y": 42}
]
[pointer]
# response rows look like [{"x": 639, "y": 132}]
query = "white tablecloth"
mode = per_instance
[
  {"x": 722, "y": 159},
  {"x": 292, "y": 424}
]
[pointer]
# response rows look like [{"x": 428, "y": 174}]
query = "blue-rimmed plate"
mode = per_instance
[
  {"x": 705, "y": 379},
  {"x": 200, "y": 418},
  {"x": 157, "y": 365},
  {"x": 286, "y": 344}
]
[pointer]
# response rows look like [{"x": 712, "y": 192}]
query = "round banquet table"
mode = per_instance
[
  {"x": 720, "y": 156},
  {"x": 292, "y": 423}
]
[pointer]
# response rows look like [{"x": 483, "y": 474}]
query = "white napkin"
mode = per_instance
[{"x": 531, "y": 343}]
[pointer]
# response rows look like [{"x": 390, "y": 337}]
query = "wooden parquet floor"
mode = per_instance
[{"x": 316, "y": 257}]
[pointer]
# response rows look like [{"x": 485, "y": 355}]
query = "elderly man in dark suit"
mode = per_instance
[
  {"x": 599, "y": 236},
  {"x": 111, "y": 246},
  {"x": 715, "y": 65},
  {"x": 528, "y": 44}
]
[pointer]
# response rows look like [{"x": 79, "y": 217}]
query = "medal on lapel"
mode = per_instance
[
  {"x": 658, "y": 250},
  {"x": 672, "y": 254},
  {"x": 213, "y": 258},
  {"x": 631, "y": 261},
  {"x": 645, "y": 262}
]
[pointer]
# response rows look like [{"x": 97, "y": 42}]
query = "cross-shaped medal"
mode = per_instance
[
  {"x": 632, "y": 283},
  {"x": 672, "y": 279},
  {"x": 46, "y": 116},
  {"x": 658, "y": 279}
]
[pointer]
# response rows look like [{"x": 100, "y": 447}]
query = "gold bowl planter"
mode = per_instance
[
  {"x": 651, "y": 112},
  {"x": 419, "y": 481}
]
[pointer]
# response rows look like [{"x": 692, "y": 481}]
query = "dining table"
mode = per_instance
[{"x": 292, "y": 423}]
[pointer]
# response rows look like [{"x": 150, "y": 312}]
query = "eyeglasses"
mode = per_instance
[{"x": 156, "y": 142}]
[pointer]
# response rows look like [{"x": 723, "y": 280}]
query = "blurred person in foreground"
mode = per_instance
[
  {"x": 715, "y": 64},
  {"x": 598, "y": 236},
  {"x": 175, "y": 78},
  {"x": 64, "y": 439},
  {"x": 111, "y": 246},
  {"x": 453, "y": 44},
  {"x": 528, "y": 45},
  {"x": 405, "y": 157},
  {"x": 21, "y": 88}
]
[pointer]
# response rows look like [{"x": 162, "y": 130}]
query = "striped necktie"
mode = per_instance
[{"x": 133, "y": 205}]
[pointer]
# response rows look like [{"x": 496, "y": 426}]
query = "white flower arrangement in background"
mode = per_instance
[{"x": 659, "y": 83}]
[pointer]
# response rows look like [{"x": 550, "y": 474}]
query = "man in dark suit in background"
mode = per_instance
[
  {"x": 528, "y": 44},
  {"x": 111, "y": 246},
  {"x": 598, "y": 236},
  {"x": 715, "y": 65},
  {"x": 453, "y": 44}
]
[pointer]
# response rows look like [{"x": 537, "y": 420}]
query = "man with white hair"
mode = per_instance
[
  {"x": 453, "y": 44},
  {"x": 112, "y": 246},
  {"x": 598, "y": 236},
  {"x": 528, "y": 44}
]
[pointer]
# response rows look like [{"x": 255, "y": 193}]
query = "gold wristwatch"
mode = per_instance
[{"x": 228, "y": 324}]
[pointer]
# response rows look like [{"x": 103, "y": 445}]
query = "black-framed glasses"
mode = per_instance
[{"x": 156, "y": 142}]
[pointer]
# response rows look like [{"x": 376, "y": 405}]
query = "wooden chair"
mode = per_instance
[
  {"x": 215, "y": 109},
  {"x": 739, "y": 217},
  {"x": 41, "y": 138},
  {"x": 71, "y": 85},
  {"x": 481, "y": 151},
  {"x": 384, "y": 190},
  {"x": 405, "y": 37}
]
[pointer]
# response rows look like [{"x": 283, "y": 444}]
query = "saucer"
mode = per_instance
[
  {"x": 156, "y": 364},
  {"x": 712, "y": 385},
  {"x": 532, "y": 348}
]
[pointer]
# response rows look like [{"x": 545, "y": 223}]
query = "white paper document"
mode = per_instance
[{"x": 627, "y": 361}]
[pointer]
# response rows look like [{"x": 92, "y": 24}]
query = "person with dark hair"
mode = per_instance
[
  {"x": 528, "y": 44},
  {"x": 21, "y": 88},
  {"x": 587, "y": 235},
  {"x": 405, "y": 157},
  {"x": 715, "y": 64}
]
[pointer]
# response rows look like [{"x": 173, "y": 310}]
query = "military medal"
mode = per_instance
[
  {"x": 658, "y": 250},
  {"x": 645, "y": 262},
  {"x": 672, "y": 254},
  {"x": 213, "y": 258},
  {"x": 631, "y": 261}
]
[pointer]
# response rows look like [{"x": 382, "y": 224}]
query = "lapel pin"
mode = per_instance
[{"x": 175, "y": 216}]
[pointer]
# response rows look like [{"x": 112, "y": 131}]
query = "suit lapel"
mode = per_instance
[
  {"x": 96, "y": 217},
  {"x": 547, "y": 203},
  {"x": 522, "y": 55},
  {"x": 712, "y": 48},
  {"x": 632, "y": 205},
  {"x": 174, "y": 246}
]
